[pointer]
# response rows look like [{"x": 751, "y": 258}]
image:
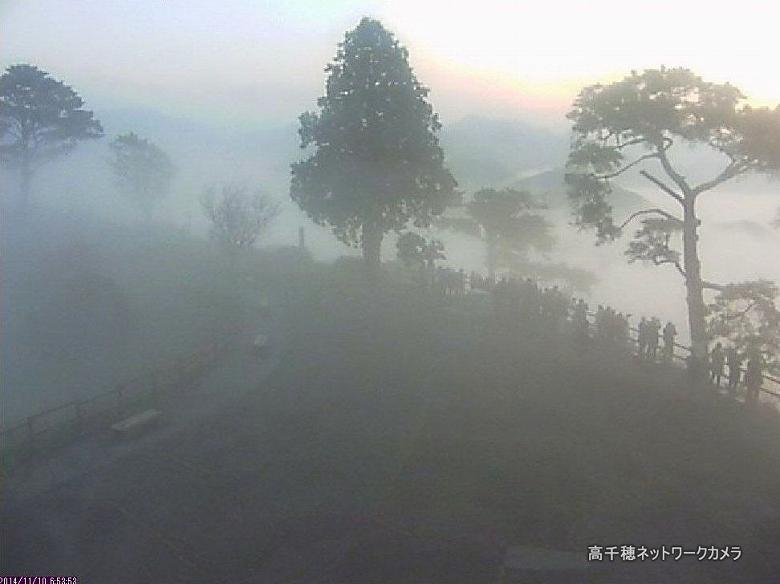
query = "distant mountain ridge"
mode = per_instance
[
  {"x": 482, "y": 151},
  {"x": 550, "y": 187}
]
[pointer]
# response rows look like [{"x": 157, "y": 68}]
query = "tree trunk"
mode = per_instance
[
  {"x": 25, "y": 185},
  {"x": 372, "y": 249},
  {"x": 491, "y": 244},
  {"x": 697, "y": 310}
]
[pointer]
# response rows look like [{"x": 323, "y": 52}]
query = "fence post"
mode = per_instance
[
  {"x": 79, "y": 421},
  {"x": 31, "y": 431},
  {"x": 120, "y": 399},
  {"x": 155, "y": 388}
]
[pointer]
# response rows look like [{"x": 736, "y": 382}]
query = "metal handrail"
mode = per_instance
[
  {"x": 118, "y": 392},
  {"x": 764, "y": 376}
]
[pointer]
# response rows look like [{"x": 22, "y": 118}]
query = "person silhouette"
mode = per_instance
[
  {"x": 754, "y": 376},
  {"x": 623, "y": 329},
  {"x": 734, "y": 362},
  {"x": 669, "y": 334},
  {"x": 717, "y": 360},
  {"x": 653, "y": 330},
  {"x": 580, "y": 320},
  {"x": 642, "y": 337}
]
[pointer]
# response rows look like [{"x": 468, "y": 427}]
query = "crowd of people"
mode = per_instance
[
  {"x": 731, "y": 360},
  {"x": 649, "y": 335},
  {"x": 524, "y": 300},
  {"x": 449, "y": 282},
  {"x": 611, "y": 326}
]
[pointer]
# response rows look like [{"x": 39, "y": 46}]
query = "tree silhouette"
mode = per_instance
[
  {"x": 511, "y": 226},
  {"x": 40, "y": 119},
  {"x": 747, "y": 315},
  {"x": 417, "y": 252},
  {"x": 636, "y": 122},
  {"x": 237, "y": 218},
  {"x": 143, "y": 171},
  {"x": 377, "y": 163},
  {"x": 509, "y": 222}
]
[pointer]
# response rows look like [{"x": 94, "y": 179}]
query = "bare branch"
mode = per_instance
[
  {"x": 733, "y": 169},
  {"x": 716, "y": 145},
  {"x": 647, "y": 212},
  {"x": 662, "y": 186},
  {"x": 678, "y": 179},
  {"x": 626, "y": 167},
  {"x": 741, "y": 313},
  {"x": 675, "y": 263},
  {"x": 634, "y": 142},
  {"x": 712, "y": 286}
]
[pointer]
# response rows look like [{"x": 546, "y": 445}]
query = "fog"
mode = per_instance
[
  {"x": 736, "y": 236},
  {"x": 239, "y": 343}
]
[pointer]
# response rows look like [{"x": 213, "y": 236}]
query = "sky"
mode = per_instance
[{"x": 253, "y": 62}]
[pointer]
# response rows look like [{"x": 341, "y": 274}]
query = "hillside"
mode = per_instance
[
  {"x": 93, "y": 303},
  {"x": 550, "y": 187},
  {"x": 484, "y": 151},
  {"x": 400, "y": 441}
]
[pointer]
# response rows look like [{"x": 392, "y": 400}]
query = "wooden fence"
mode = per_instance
[
  {"x": 56, "y": 425},
  {"x": 770, "y": 386}
]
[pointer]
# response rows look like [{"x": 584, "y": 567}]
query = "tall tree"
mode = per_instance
[
  {"x": 142, "y": 170},
  {"x": 638, "y": 122},
  {"x": 40, "y": 119},
  {"x": 511, "y": 226},
  {"x": 377, "y": 163}
]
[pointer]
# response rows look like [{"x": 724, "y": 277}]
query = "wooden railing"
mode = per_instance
[
  {"x": 770, "y": 386},
  {"x": 55, "y": 425}
]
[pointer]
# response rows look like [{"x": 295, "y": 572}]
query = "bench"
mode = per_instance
[{"x": 133, "y": 424}]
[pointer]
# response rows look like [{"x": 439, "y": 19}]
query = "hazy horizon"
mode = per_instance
[{"x": 529, "y": 63}]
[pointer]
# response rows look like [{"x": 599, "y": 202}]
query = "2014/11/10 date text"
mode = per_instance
[{"x": 39, "y": 580}]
